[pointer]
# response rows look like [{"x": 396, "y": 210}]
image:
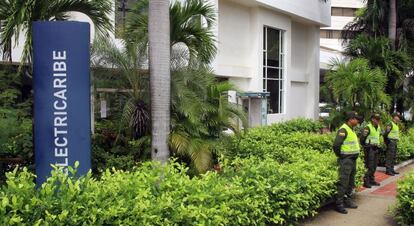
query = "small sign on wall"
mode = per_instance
[{"x": 103, "y": 109}]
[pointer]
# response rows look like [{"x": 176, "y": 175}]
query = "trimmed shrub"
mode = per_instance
[
  {"x": 404, "y": 211},
  {"x": 405, "y": 146},
  {"x": 287, "y": 147},
  {"x": 297, "y": 125},
  {"x": 247, "y": 192}
]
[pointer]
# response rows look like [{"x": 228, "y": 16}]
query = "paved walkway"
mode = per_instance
[{"x": 374, "y": 205}]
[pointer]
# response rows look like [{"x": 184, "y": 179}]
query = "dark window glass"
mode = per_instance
[
  {"x": 273, "y": 52},
  {"x": 273, "y": 72},
  {"x": 273, "y": 69},
  {"x": 273, "y": 88}
]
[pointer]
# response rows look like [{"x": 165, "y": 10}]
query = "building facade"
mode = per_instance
[
  {"x": 266, "y": 48},
  {"x": 342, "y": 13},
  {"x": 272, "y": 46}
]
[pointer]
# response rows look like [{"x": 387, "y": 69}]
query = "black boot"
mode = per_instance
[
  {"x": 389, "y": 173},
  {"x": 340, "y": 208},
  {"x": 374, "y": 183},
  {"x": 349, "y": 204},
  {"x": 367, "y": 184},
  {"x": 395, "y": 172}
]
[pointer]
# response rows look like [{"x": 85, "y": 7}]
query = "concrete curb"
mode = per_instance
[
  {"x": 396, "y": 167},
  {"x": 390, "y": 179}
]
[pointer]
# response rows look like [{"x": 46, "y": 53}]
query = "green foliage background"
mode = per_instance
[{"x": 404, "y": 210}]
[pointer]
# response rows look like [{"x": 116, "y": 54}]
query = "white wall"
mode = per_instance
[
  {"x": 348, "y": 3},
  {"x": 240, "y": 57},
  {"x": 305, "y": 71},
  {"x": 234, "y": 39},
  {"x": 313, "y": 10}
]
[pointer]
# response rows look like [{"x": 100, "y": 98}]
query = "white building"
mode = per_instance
[
  {"x": 269, "y": 46},
  {"x": 273, "y": 46},
  {"x": 342, "y": 13}
]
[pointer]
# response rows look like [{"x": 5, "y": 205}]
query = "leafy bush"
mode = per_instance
[
  {"x": 286, "y": 147},
  {"x": 15, "y": 135},
  {"x": 405, "y": 146},
  {"x": 297, "y": 125},
  {"x": 248, "y": 192},
  {"x": 111, "y": 149},
  {"x": 404, "y": 211}
]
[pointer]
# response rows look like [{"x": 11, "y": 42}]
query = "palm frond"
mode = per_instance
[{"x": 21, "y": 15}]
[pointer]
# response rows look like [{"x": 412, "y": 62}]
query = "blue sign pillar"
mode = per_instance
[{"x": 61, "y": 84}]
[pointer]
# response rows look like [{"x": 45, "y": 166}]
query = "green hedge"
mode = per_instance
[
  {"x": 287, "y": 146},
  {"x": 297, "y": 125},
  {"x": 406, "y": 146},
  {"x": 404, "y": 211},
  {"x": 272, "y": 175},
  {"x": 247, "y": 192}
]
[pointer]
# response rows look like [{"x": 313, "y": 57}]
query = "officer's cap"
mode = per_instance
[
  {"x": 396, "y": 114},
  {"x": 376, "y": 116},
  {"x": 353, "y": 115}
]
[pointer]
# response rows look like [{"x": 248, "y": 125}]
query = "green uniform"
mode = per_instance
[
  {"x": 346, "y": 148},
  {"x": 370, "y": 140},
  {"x": 392, "y": 135}
]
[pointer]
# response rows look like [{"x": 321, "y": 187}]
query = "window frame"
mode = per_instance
[{"x": 281, "y": 78}]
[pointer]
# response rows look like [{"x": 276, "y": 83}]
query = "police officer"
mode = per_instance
[
  {"x": 346, "y": 147},
  {"x": 391, "y": 137},
  {"x": 370, "y": 140}
]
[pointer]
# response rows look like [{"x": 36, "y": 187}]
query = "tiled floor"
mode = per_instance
[
  {"x": 379, "y": 177},
  {"x": 387, "y": 190}
]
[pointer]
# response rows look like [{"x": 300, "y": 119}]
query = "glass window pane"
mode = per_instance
[
  {"x": 272, "y": 47},
  {"x": 264, "y": 58},
  {"x": 272, "y": 73},
  {"x": 335, "y": 11},
  {"x": 323, "y": 34},
  {"x": 336, "y": 34},
  {"x": 264, "y": 38},
  {"x": 348, "y": 12},
  {"x": 273, "y": 100}
]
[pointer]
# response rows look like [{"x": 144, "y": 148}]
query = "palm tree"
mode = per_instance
[
  {"x": 379, "y": 53},
  {"x": 191, "y": 23},
  {"x": 21, "y": 15},
  {"x": 357, "y": 86},
  {"x": 392, "y": 23},
  {"x": 385, "y": 18},
  {"x": 128, "y": 62},
  {"x": 160, "y": 80},
  {"x": 198, "y": 126},
  {"x": 6, "y": 12},
  {"x": 379, "y": 19}
]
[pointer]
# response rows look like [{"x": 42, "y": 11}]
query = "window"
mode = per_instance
[
  {"x": 273, "y": 69},
  {"x": 122, "y": 9},
  {"x": 331, "y": 34},
  {"x": 349, "y": 12}
]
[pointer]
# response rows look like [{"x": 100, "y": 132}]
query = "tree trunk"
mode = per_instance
[
  {"x": 392, "y": 23},
  {"x": 159, "y": 61}
]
